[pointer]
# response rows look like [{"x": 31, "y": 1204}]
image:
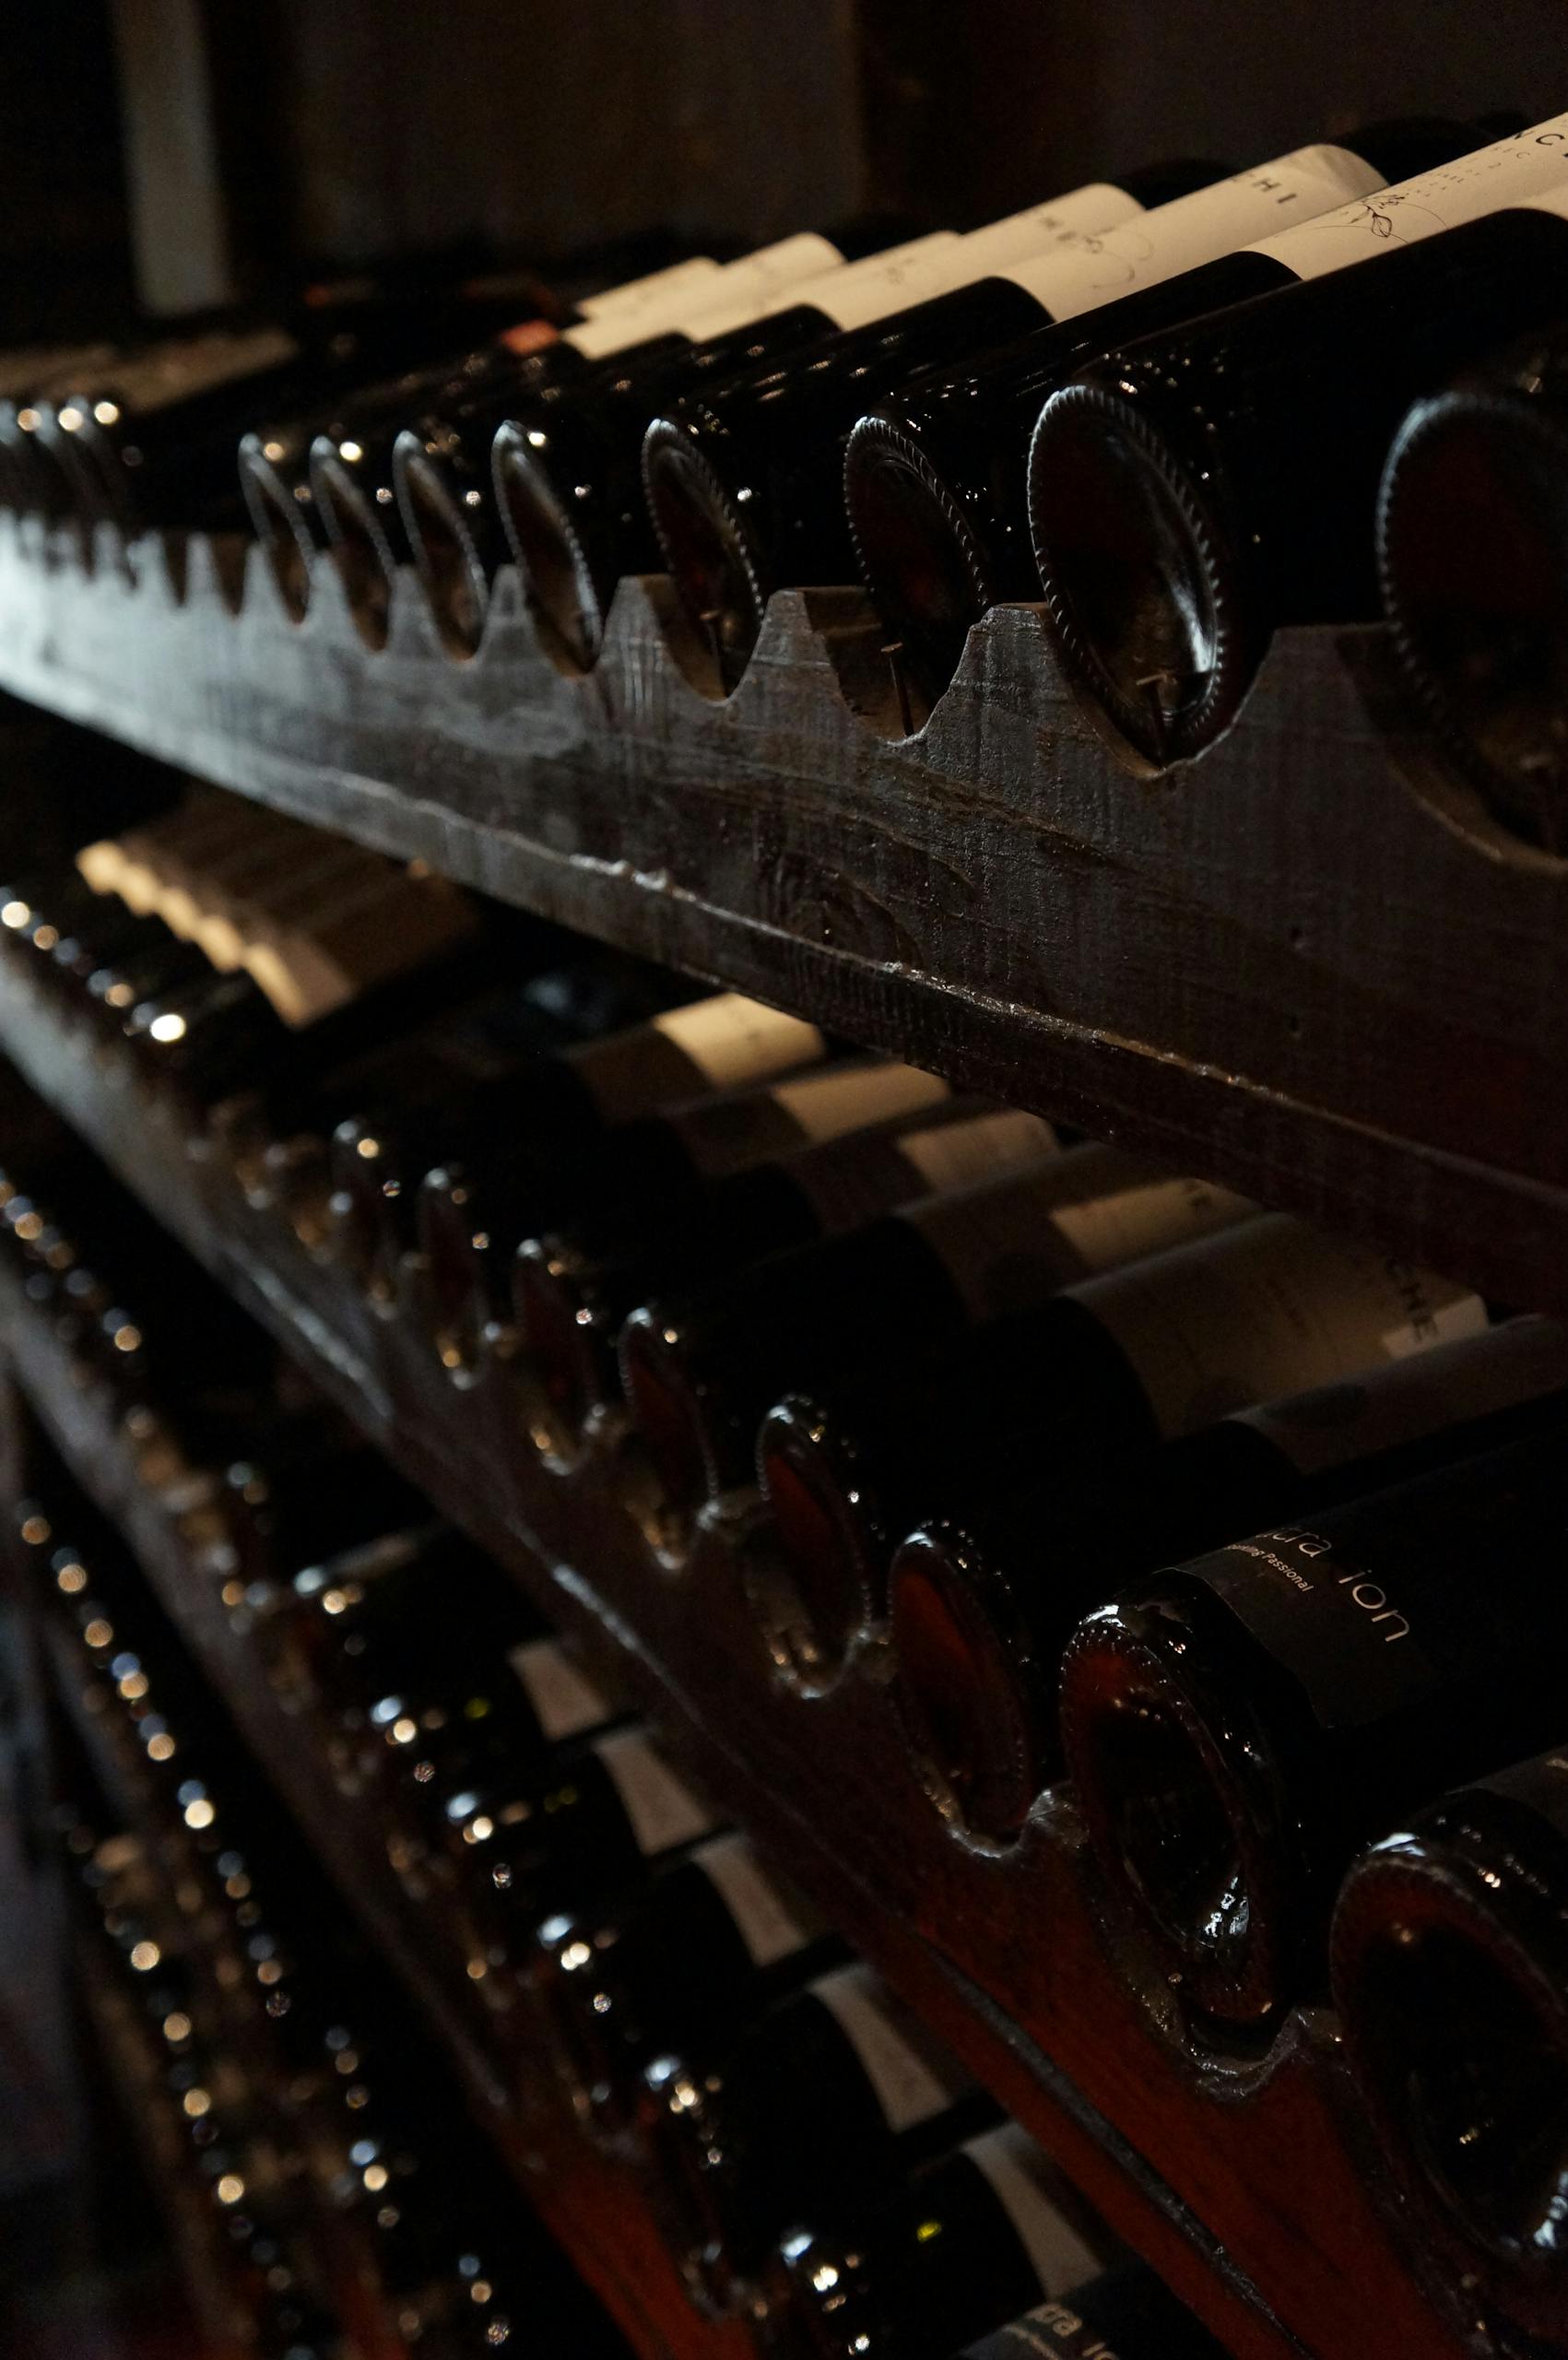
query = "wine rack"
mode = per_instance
[
  {"x": 1309, "y": 965},
  {"x": 1247, "y": 2182}
]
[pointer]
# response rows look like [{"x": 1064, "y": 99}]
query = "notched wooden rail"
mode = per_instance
[
  {"x": 1309, "y": 964},
  {"x": 1249, "y": 2186}
]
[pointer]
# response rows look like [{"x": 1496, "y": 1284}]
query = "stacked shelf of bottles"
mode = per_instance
[
  {"x": 819, "y": 1403},
  {"x": 452, "y": 640},
  {"x": 324, "y": 2136}
]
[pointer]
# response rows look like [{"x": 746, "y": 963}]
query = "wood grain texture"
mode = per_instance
[
  {"x": 1250, "y": 2187},
  {"x": 1307, "y": 965}
]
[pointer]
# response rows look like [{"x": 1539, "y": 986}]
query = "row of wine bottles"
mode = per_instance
[
  {"x": 1239, "y": 1730},
  {"x": 309, "y": 2116},
  {"x": 1163, "y": 405}
]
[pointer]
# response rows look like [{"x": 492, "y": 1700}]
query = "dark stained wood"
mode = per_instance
[
  {"x": 1306, "y": 965},
  {"x": 1248, "y": 2185}
]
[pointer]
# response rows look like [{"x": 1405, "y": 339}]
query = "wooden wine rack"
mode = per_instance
[
  {"x": 1309, "y": 965},
  {"x": 1249, "y": 2185}
]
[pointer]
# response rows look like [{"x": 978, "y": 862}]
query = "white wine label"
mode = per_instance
[
  {"x": 834, "y": 287},
  {"x": 1082, "y": 268},
  {"x": 731, "y": 1039},
  {"x": 766, "y": 1922},
  {"x": 1418, "y": 1394},
  {"x": 680, "y": 280},
  {"x": 564, "y": 1699},
  {"x": 1099, "y": 205},
  {"x": 961, "y": 1155},
  {"x": 737, "y": 292},
  {"x": 1272, "y": 1308},
  {"x": 661, "y": 1809},
  {"x": 1030, "y": 2191},
  {"x": 1010, "y": 1243},
  {"x": 1530, "y": 168},
  {"x": 912, "y": 2083},
  {"x": 1109, "y": 1231},
  {"x": 197, "y": 364},
  {"x": 845, "y": 1097}
]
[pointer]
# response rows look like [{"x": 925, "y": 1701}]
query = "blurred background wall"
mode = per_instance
[{"x": 207, "y": 146}]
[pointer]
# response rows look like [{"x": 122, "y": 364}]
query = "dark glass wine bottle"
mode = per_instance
[
  {"x": 990, "y": 2230},
  {"x": 307, "y": 1494},
  {"x": 1129, "y": 2313},
  {"x": 934, "y": 476},
  {"x": 441, "y": 462},
  {"x": 572, "y": 1290},
  {"x": 565, "y": 1838},
  {"x": 1240, "y": 1726},
  {"x": 689, "y": 1958},
  {"x": 1171, "y": 541},
  {"x": 568, "y": 461},
  {"x": 745, "y": 481},
  {"x": 1450, "y": 1960},
  {"x": 663, "y": 1165},
  {"x": 489, "y": 1074},
  {"x": 1470, "y": 536},
  {"x": 699, "y": 1371},
  {"x": 158, "y": 427},
  {"x": 981, "y": 1603},
  {"x": 841, "y": 2086},
  {"x": 1152, "y": 1350},
  {"x": 526, "y": 1125}
]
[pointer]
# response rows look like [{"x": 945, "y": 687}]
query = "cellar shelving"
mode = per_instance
[
  {"x": 1201, "y": 2165},
  {"x": 591, "y": 2201},
  {"x": 1309, "y": 965}
]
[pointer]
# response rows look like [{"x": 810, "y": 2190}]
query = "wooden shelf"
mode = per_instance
[
  {"x": 591, "y": 2201},
  {"x": 1250, "y": 2187},
  {"x": 1309, "y": 965}
]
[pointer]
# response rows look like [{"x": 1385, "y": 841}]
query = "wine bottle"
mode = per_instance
[
  {"x": 693, "y": 1957},
  {"x": 700, "y": 1370},
  {"x": 441, "y": 462},
  {"x": 601, "y": 1812},
  {"x": 663, "y": 1165},
  {"x": 422, "y": 1602},
  {"x": 981, "y": 1603},
  {"x": 544, "y": 1102},
  {"x": 840, "y": 2087},
  {"x": 1164, "y": 456},
  {"x": 985, "y": 2232},
  {"x": 28, "y": 485},
  {"x": 744, "y": 482},
  {"x": 567, "y": 462},
  {"x": 1129, "y": 2314},
  {"x": 158, "y": 428},
  {"x": 1240, "y": 1726},
  {"x": 1449, "y": 1962},
  {"x": 306, "y": 1495},
  {"x": 1467, "y": 553},
  {"x": 1168, "y": 1343},
  {"x": 464, "y": 1076},
  {"x": 572, "y": 1290},
  {"x": 934, "y": 474}
]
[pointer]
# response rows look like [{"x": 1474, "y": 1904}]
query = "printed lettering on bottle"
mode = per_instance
[
  {"x": 1030, "y": 2192},
  {"x": 661, "y": 1809},
  {"x": 899, "y": 2058},
  {"x": 564, "y": 1699},
  {"x": 1530, "y": 168},
  {"x": 1055, "y": 2331},
  {"x": 1099, "y": 205},
  {"x": 765, "y": 1920},
  {"x": 1083, "y": 270}
]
